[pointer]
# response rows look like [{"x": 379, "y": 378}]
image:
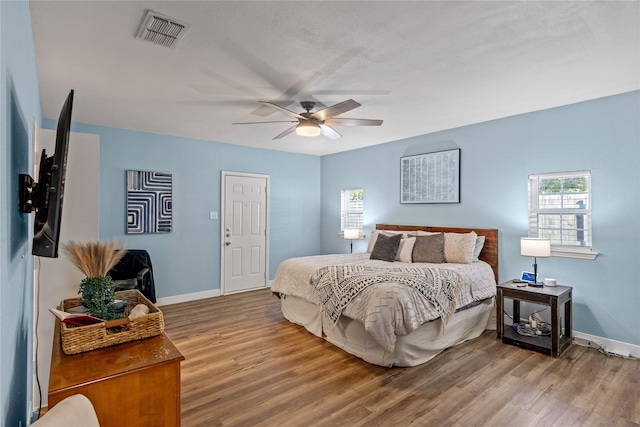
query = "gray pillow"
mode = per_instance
[
  {"x": 429, "y": 249},
  {"x": 386, "y": 247}
]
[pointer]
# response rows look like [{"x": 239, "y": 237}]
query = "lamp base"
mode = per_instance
[{"x": 536, "y": 285}]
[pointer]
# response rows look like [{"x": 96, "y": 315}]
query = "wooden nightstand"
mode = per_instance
[{"x": 554, "y": 297}]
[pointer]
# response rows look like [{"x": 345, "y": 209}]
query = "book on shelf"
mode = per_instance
[{"x": 76, "y": 319}]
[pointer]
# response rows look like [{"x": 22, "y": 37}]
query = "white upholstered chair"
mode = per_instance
[{"x": 74, "y": 411}]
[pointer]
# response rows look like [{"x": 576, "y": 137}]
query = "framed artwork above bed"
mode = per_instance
[{"x": 430, "y": 177}]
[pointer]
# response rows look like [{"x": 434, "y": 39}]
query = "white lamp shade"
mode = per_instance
[
  {"x": 308, "y": 129},
  {"x": 535, "y": 247},
  {"x": 351, "y": 233}
]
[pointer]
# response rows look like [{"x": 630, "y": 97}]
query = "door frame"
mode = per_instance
[{"x": 223, "y": 178}]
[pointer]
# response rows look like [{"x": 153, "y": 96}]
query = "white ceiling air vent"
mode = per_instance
[{"x": 163, "y": 30}]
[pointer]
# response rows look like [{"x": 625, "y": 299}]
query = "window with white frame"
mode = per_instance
[
  {"x": 560, "y": 209},
  {"x": 352, "y": 208}
]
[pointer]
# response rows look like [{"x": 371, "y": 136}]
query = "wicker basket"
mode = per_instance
[{"x": 78, "y": 339}]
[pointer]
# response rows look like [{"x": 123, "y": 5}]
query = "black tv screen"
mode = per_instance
[{"x": 50, "y": 189}]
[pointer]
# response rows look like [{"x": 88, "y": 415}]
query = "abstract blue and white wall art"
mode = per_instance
[{"x": 149, "y": 202}]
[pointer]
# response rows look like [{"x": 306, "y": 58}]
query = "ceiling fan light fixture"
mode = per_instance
[
  {"x": 318, "y": 123},
  {"x": 308, "y": 129}
]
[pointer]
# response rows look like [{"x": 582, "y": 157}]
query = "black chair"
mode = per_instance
[{"x": 134, "y": 271}]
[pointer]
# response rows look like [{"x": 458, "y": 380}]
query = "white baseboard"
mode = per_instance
[
  {"x": 611, "y": 346},
  {"x": 188, "y": 297},
  {"x": 193, "y": 296}
]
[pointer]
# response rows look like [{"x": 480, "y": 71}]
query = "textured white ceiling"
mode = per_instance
[{"x": 419, "y": 66}]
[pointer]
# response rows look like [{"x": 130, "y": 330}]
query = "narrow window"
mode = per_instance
[{"x": 352, "y": 208}]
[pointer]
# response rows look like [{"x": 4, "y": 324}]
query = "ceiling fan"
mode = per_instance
[{"x": 314, "y": 124}]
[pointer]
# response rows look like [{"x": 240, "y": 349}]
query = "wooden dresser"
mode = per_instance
[{"x": 132, "y": 384}]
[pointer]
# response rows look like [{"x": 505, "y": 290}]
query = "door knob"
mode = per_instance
[
  {"x": 228, "y": 234},
  {"x": 228, "y": 243}
]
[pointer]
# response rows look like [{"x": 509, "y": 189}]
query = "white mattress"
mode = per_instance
[
  {"x": 387, "y": 309},
  {"x": 418, "y": 347},
  {"x": 409, "y": 334}
]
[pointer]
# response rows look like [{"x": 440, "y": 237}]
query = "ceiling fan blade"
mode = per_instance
[
  {"x": 352, "y": 122},
  {"x": 329, "y": 132},
  {"x": 286, "y": 132},
  {"x": 284, "y": 110},
  {"x": 265, "y": 110},
  {"x": 335, "y": 110},
  {"x": 279, "y": 81},
  {"x": 259, "y": 123}
]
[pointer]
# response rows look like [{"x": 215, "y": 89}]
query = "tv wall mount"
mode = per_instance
[{"x": 27, "y": 192}]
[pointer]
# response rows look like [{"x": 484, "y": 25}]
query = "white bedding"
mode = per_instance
[{"x": 386, "y": 310}]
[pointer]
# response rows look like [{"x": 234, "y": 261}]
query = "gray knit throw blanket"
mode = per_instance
[{"x": 338, "y": 284}]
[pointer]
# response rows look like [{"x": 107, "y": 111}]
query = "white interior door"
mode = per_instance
[{"x": 244, "y": 228}]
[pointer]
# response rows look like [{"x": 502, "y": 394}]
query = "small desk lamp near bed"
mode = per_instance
[
  {"x": 351, "y": 234},
  {"x": 537, "y": 248}
]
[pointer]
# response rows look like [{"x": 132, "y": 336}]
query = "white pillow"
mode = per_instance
[
  {"x": 458, "y": 247},
  {"x": 405, "y": 250},
  {"x": 478, "y": 248},
  {"x": 374, "y": 236}
]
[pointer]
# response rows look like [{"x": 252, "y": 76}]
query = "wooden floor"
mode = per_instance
[{"x": 248, "y": 366}]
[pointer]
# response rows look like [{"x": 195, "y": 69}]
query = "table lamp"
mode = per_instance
[
  {"x": 537, "y": 248},
  {"x": 350, "y": 234}
]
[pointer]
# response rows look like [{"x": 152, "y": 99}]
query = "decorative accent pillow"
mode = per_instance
[
  {"x": 386, "y": 247},
  {"x": 478, "y": 248},
  {"x": 405, "y": 250},
  {"x": 374, "y": 236},
  {"x": 429, "y": 249},
  {"x": 458, "y": 247}
]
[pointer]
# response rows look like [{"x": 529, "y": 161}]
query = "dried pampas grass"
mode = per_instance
[{"x": 94, "y": 259}]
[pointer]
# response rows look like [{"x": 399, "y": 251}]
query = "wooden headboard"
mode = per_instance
[{"x": 489, "y": 253}]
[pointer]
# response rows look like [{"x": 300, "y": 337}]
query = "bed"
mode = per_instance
[{"x": 400, "y": 313}]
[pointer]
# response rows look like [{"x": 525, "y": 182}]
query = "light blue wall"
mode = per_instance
[
  {"x": 496, "y": 158},
  {"x": 188, "y": 259},
  {"x": 601, "y": 135},
  {"x": 20, "y": 102}
]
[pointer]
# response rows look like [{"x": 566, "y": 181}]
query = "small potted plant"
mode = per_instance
[{"x": 95, "y": 259}]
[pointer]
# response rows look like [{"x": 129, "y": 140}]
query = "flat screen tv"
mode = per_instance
[{"x": 46, "y": 196}]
